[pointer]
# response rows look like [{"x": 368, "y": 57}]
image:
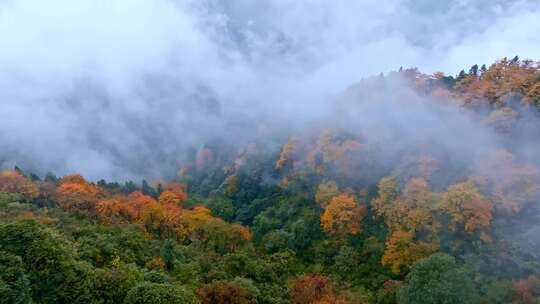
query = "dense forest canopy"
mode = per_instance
[{"x": 413, "y": 188}]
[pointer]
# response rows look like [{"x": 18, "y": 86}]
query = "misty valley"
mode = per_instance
[
  {"x": 270, "y": 151},
  {"x": 410, "y": 188}
]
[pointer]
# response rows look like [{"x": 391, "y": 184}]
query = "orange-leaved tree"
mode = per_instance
[
  {"x": 343, "y": 216},
  {"x": 174, "y": 194},
  {"x": 12, "y": 181},
  {"x": 75, "y": 193},
  {"x": 402, "y": 250},
  {"x": 468, "y": 209},
  {"x": 112, "y": 210},
  {"x": 136, "y": 203},
  {"x": 314, "y": 289},
  {"x": 287, "y": 154}
]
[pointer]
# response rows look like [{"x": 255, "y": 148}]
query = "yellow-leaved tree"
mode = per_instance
[
  {"x": 469, "y": 210},
  {"x": 343, "y": 216}
]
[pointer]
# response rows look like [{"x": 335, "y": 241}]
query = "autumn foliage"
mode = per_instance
[
  {"x": 526, "y": 290},
  {"x": 343, "y": 216},
  {"x": 510, "y": 184},
  {"x": 225, "y": 293},
  {"x": 12, "y": 181},
  {"x": 329, "y": 215},
  {"x": 468, "y": 208},
  {"x": 402, "y": 250},
  {"x": 174, "y": 194},
  {"x": 161, "y": 218},
  {"x": 75, "y": 193},
  {"x": 314, "y": 289}
]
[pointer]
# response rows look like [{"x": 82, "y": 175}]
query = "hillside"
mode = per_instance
[{"x": 411, "y": 188}]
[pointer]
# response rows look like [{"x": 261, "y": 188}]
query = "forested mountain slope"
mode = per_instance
[{"x": 413, "y": 188}]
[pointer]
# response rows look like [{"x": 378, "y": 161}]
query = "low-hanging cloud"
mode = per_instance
[{"x": 119, "y": 89}]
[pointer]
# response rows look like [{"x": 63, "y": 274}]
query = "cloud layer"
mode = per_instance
[{"x": 119, "y": 89}]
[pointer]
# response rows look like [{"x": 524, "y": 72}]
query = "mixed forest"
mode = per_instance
[{"x": 325, "y": 215}]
